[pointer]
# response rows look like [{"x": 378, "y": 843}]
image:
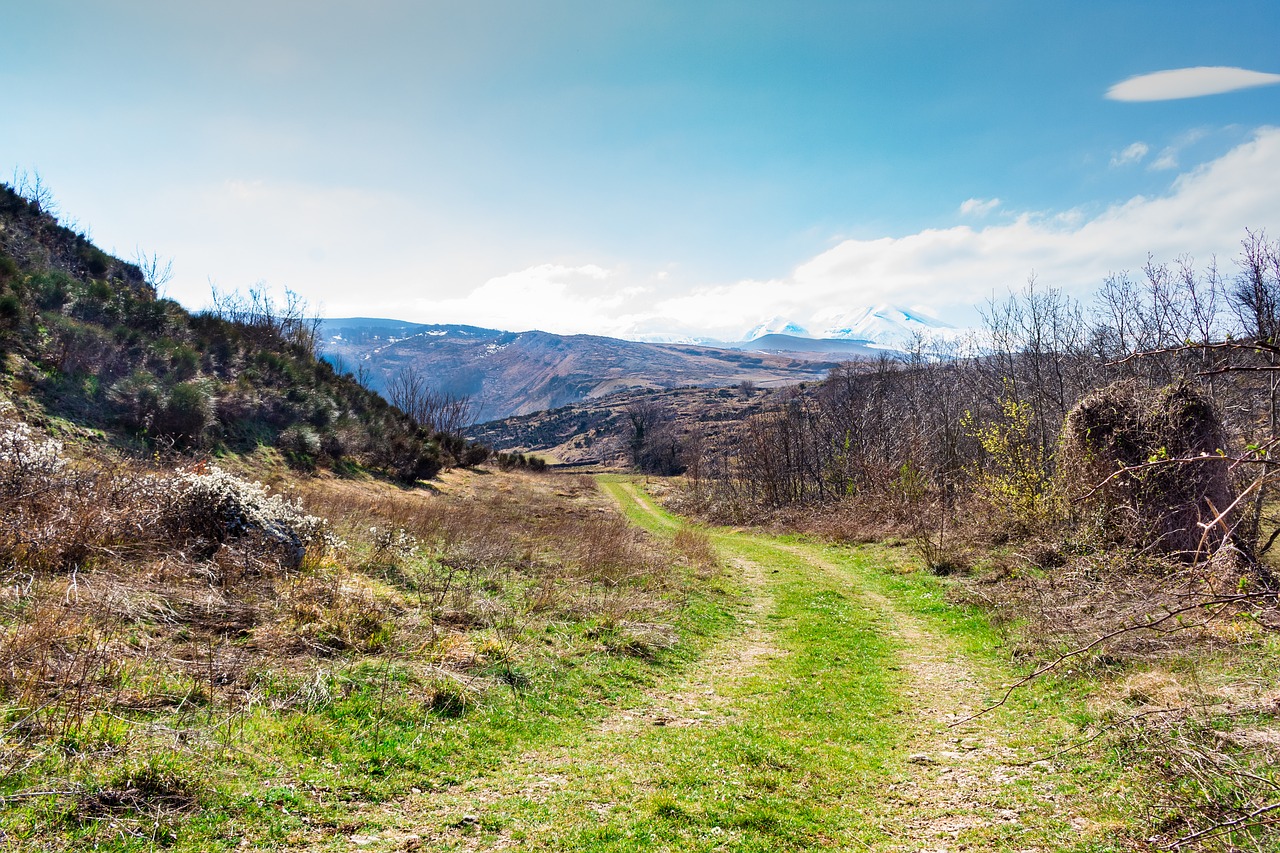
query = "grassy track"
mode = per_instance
[{"x": 822, "y": 723}]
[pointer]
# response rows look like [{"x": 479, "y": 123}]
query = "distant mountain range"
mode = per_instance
[
  {"x": 508, "y": 373},
  {"x": 516, "y": 373},
  {"x": 879, "y": 327}
]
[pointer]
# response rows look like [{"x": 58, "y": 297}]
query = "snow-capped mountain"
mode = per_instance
[
  {"x": 672, "y": 338},
  {"x": 776, "y": 326},
  {"x": 886, "y": 325},
  {"x": 880, "y": 327}
]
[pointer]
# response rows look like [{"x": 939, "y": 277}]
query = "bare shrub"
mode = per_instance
[
  {"x": 268, "y": 321},
  {"x": 612, "y": 552},
  {"x": 411, "y": 392},
  {"x": 1116, "y": 602},
  {"x": 1216, "y": 770},
  {"x": 696, "y": 547}
]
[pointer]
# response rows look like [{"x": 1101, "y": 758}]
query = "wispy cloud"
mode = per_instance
[
  {"x": 978, "y": 206},
  {"x": 1168, "y": 159},
  {"x": 1189, "y": 83},
  {"x": 1133, "y": 154}
]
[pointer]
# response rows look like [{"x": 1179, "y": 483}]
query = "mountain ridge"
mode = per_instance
[{"x": 510, "y": 373}]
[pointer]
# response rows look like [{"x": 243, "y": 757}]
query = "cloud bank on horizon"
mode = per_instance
[
  {"x": 946, "y": 271},
  {"x": 1178, "y": 83}
]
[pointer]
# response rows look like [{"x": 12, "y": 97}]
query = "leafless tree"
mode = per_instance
[
  {"x": 652, "y": 441},
  {"x": 156, "y": 271},
  {"x": 1041, "y": 350},
  {"x": 259, "y": 314},
  {"x": 412, "y": 393},
  {"x": 32, "y": 187}
]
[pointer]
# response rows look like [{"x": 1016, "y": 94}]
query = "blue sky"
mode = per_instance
[{"x": 637, "y": 168}]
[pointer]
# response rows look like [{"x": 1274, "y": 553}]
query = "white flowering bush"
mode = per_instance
[
  {"x": 47, "y": 517},
  {"x": 393, "y": 544},
  {"x": 26, "y": 459},
  {"x": 216, "y": 506},
  {"x": 71, "y": 508}
]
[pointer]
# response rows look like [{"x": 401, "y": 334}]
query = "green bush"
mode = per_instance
[
  {"x": 96, "y": 261},
  {"x": 137, "y": 399},
  {"x": 10, "y": 309},
  {"x": 8, "y": 268},
  {"x": 186, "y": 413},
  {"x": 52, "y": 291}
]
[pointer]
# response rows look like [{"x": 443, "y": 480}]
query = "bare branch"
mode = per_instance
[
  {"x": 1223, "y": 828},
  {"x": 1219, "y": 602},
  {"x": 1255, "y": 346},
  {"x": 156, "y": 271}
]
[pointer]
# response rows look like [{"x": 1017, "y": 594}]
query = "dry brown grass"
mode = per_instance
[
  {"x": 118, "y": 598},
  {"x": 556, "y": 539},
  {"x": 1058, "y": 601},
  {"x": 697, "y": 548}
]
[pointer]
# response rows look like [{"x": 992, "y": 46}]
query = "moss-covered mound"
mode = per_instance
[{"x": 1145, "y": 467}]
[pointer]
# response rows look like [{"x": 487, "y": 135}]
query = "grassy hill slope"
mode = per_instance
[{"x": 83, "y": 336}]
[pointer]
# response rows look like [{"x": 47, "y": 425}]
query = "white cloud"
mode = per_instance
[
  {"x": 1133, "y": 154},
  {"x": 552, "y": 297},
  {"x": 1189, "y": 83},
  {"x": 1205, "y": 212},
  {"x": 1168, "y": 159},
  {"x": 978, "y": 206}
]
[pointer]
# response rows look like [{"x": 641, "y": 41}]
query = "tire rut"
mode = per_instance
[
  {"x": 958, "y": 769},
  {"x": 953, "y": 779}
]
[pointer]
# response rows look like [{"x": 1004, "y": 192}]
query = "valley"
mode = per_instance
[
  {"x": 598, "y": 432},
  {"x": 510, "y": 373}
]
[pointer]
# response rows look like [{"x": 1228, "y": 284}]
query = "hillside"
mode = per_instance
[
  {"x": 597, "y": 432},
  {"x": 84, "y": 337},
  {"x": 515, "y": 373}
]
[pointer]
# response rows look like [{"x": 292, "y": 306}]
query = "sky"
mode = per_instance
[{"x": 649, "y": 168}]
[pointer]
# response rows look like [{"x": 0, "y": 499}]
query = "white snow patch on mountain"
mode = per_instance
[
  {"x": 776, "y": 326},
  {"x": 887, "y": 325}
]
